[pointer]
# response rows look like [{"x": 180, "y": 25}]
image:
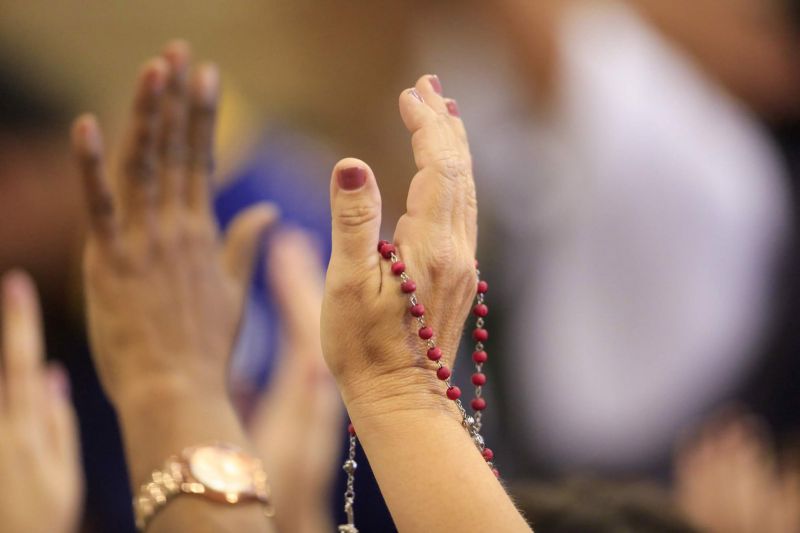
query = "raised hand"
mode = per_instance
[
  {"x": 164, "y": 290},
  {"x": 298, "y": 424},
  {"x": 367, "y": 332},
  {"x": 411, "y": 432},
  {"x": 42, "y": 485},
  {"x": 730, "y": 480}
]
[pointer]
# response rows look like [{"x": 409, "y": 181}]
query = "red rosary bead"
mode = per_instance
[
  {"x": 480, "y": 335},
  {"x": 443, "y": 373},
  {"x": 453, "y": 393},
  {"x": 496, "y": 472},
  {"x": 398, "y": 268},
  {"x": 381, "y": 243},
  {"x": 408, "y": 286},
  {"x": 417, "y": 310},
  {"x": 480, "y": 356},
  {"x": 426, "y": 333},
  {"x": 478, "y": 404},
  {"x": 488, "y": 454},
  {"x": 435, "y": 353},
  {"x": 483, "y": 287},
  {"x": 387, "y": 249},
  {"x": 480, "y": 310},
  {"x": 479, "y": 379},
  {"x": 351, "y": 429}
]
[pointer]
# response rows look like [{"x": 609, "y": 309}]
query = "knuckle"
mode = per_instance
[
  {"x": 100, "y": 204},
  {"x": 354, "y": 216},
  {"x": 147, "y": 105},
  {"x": 203, "y": 163},
  {"x": 90, "y": 163},
  {"x": 173, "y": 152},
  {"x": 451, "y": 164},
  {"x": 347, "y": 288},
  {"x": 198, "y": 230},
  {"x": 140, "y": 169},
  {"x": 451, "y": 265},
  {"x": 203, "y": 110},
  {"x": 472, "y": 197}
]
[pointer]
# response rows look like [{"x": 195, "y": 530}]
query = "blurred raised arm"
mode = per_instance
[{"x": 164, "y": 290}]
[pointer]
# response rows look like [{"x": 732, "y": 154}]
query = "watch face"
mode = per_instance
[{"x": 223, "y": 469}]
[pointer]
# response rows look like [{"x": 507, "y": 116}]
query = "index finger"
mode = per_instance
[
  {"x": 23, "y": 347},
  {"x": 443, "y": 191}
]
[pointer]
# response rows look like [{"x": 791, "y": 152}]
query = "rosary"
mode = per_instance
[{"x": 472, "y": 424}]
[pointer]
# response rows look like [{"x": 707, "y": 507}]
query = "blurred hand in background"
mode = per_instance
[
  {"x": 154, "y": 257},
  {"x": 731, "y": 480},
  {"x": 41, "y": 487},
  {"x": 297, "y": 425},
  {"x": 164, "y": 290}
]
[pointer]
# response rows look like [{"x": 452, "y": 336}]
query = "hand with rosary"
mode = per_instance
[{"x": 391, "y": 322}]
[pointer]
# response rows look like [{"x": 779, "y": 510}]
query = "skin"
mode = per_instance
[
  {"x": 42, "y": 486},
  {"x": 164, "y": 290},
  {"x": 729, "y": 480},
  {"x": 298, "y": 424},
  {"x": 411, "y": 433}
]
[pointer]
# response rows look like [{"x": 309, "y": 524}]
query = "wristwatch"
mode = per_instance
[{"x": 220, "y": 472}]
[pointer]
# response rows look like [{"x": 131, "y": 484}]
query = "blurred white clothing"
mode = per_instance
[{"x": 645, "y": 214}]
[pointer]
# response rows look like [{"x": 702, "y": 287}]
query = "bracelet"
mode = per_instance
[{"x": 219, "y": 472}]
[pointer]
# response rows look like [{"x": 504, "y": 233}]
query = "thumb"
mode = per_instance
[
  {"x": 242, "y": 238},
  {"x": 356, "y": 212}
]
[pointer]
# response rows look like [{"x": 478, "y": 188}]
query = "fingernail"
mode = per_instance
[
  {"x": 156, "y": 75},
  {"x": 91, "y": 135},
  {"x": 415, "y": 94},
  {"x": 209, "y": 84},
  {"x": 452, "y": 108},
  {"x": 352, "y": 178},
  {"x": 14, "y": 286},
  {"x": 177, "y": 52},
  {"x": 435, "y": 83},
  {"x": 58, "y": 381}
]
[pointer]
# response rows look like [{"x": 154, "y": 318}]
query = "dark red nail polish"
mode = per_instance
[
  {"x": 352, "y": 178},
  {"x": 452, "y": 108},
  {"x": 436, "y": 84}
]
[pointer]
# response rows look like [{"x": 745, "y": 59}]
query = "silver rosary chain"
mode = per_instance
[{"x": 350, "y": 466}]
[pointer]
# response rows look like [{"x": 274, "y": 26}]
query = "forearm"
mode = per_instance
[
  {"x": 165, "y": 422},
  {"x": 430, "y": 473}
]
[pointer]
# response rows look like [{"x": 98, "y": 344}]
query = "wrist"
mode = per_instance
[
  {"x": 172, "y": 417},
  {"x": 413, "y": 389},
  {"x": 156, "y": 395}
]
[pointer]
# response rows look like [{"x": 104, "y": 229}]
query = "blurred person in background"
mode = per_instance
[{"x": 646, "y": 211}]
